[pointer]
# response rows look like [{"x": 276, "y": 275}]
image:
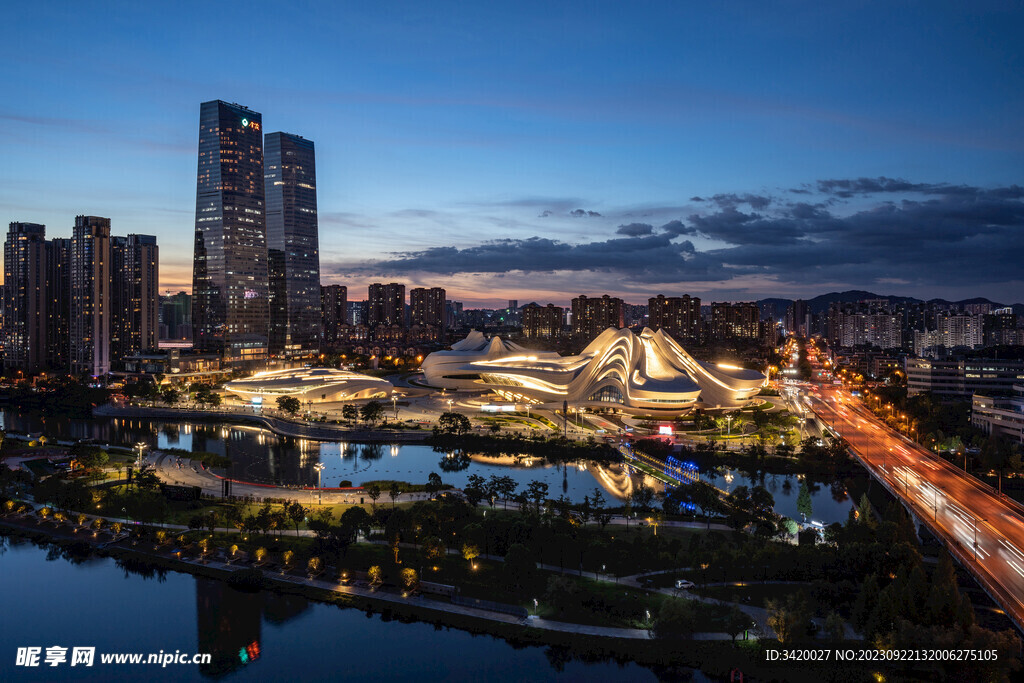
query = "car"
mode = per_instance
[{"x": 683, "y": 584}]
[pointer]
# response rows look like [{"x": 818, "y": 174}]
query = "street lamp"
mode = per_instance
[
  {"x": 394, "y": 404},
  {"x": 141, "y": 445},
  {"x": 728, "y": 420},
  {"x": 450, "y": 405},
  {"x": 319, "y": 467}
]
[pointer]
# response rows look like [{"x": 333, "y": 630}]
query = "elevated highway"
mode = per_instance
[{"x": 981, "y": 528}]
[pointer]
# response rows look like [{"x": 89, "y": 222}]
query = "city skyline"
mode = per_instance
[{"x": 499, "y": 156}]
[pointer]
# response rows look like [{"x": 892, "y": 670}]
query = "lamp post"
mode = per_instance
[
  {"x": 728, "y": 420},
  {"x": 319, "y": 467},
  {"x": 394, "y": 404},
  {"x": 141, "y": 445}
]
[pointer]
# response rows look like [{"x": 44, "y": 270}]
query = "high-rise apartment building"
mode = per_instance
[
  {"x": 58, "y": 303},
  {"x": 90, "y": 296},
  {"x": 292, "y": 244},
  {"x": 542, "y": 321},
  {"x": 590, "y": 317},
  {"x": 735, "y": 321},
  {"x": 334, "y": 311},
  {"x": 865, "y": 323},
  {"x": 427, "y": 311},
  {"x": 230, "y": 309},
  {"x": 385, "y": 305},
  {"x": 25, "y": 298},
  {"x": 135, "y": 276},
  {"x": 679, "y": 316}
]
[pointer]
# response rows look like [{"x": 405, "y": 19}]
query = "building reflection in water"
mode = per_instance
[{"x": 229, "y": 623}]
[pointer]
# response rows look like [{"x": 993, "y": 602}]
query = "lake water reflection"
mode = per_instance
[
  {"x": 114, "y": 608},
  {"x": 261, "y": 456}
]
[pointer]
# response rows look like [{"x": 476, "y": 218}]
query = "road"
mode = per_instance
[{"x": 984, "y": 530}]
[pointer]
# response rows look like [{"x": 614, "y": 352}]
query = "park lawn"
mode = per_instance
[{"x": 759, "y": 593}]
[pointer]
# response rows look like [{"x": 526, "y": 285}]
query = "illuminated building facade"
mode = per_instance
[
  {"x": 648, "y": 374},
  {"x": 542, "y": 321},
  {"x": 230, "y": 309},
  {"x": 316, "y": 385},
  {"x": 679, "y": 316},
  {"x": 591, "y": 316},
  {"x": 385, "y": 305},
  {"x": 25, "y": 297},
  {"x": 90, "y": 296},
  {"x": 292, "y": 244}
]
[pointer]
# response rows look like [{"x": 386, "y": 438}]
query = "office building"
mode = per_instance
[
  {"x": 230, "y": 278},
  {"x": 90, "y": 296},
  {"x": 963, "y": 378},
  {"x": 334, "y": 312},
  {"x": 1000, "y": 415},
  {"x": 293, "y": 249},
  {"x": 542, "y": 321},
  {"x": 25, "y": 298},
  {"x": 678, "y": 316},
  {"x": 176, "y": 316}
]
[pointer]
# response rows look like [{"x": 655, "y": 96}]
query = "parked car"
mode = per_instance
[{"x": 683, "y": 584}]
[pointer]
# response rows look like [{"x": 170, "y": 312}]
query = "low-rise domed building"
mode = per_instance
[{"x": 318, "y": 385}]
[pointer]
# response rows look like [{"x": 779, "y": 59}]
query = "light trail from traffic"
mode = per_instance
[{"x": 983, "y": 529}]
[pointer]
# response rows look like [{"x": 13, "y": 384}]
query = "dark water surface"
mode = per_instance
[{"x": 49, "y": 600}]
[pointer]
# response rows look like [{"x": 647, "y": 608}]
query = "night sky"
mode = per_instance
[{"x": 540, "y": 150}]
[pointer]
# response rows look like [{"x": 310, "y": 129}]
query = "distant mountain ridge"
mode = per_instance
[{"x": 820, "y": 303}]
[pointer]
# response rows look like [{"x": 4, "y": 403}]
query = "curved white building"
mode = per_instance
[
  {"x": 646, "y": 374},
  {"x": 447, "y": 369},
  {"x": 319, "y": 385}
]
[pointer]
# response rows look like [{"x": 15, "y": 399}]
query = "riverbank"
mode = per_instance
[
  {"x": 300, "y": 429},
  {"x": 587, "y": 643}
]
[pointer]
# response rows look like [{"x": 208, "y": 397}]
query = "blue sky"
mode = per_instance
[{"x": 454, "y": 140}]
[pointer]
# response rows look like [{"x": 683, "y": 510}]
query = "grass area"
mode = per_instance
[{"x": 757, "y": 593}]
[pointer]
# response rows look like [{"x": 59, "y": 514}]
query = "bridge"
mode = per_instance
[{"x": 982, "y": 529}]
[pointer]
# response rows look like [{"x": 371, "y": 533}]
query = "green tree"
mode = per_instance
[
  {"x": 997, "y": 454},
  {"x": 676, "y": 619},
  {"x": 289, "y": 404},
  {"x": 350, "y": 412},
  {"x": 374, "y": 492},
  {"x": 475, "y": 489},
  {"x": 537, "y": 491},
  {"x": 372, "y": 411},
  {"x": 804, "y": 505},
  {"x": 296, "y": 513},
  {"x": 394, "y": 491},
  {"x": 454, "y": 423},
  {"x": 789, "y": 617},
  {"x": 434, "y": 483},
  {"x": 519, "y": 569}
]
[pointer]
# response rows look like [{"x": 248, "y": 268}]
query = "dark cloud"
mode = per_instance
[
  {"x": 648, "y": 258},
  {"x": 935, "y": 235},
  {"x": 731, "y": 200},
  {"x": 677, "y": 227},
  {"x": 865, "y": 186},
  {"x": 635, "y": 229},
  {"x": 545, "y": 213},
  {"x": 580, "y": 213}
]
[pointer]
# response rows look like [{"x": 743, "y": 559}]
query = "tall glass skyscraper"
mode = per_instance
[
  {"x": 292, "y": 245},
  {"x": 229, "y": 274}
]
